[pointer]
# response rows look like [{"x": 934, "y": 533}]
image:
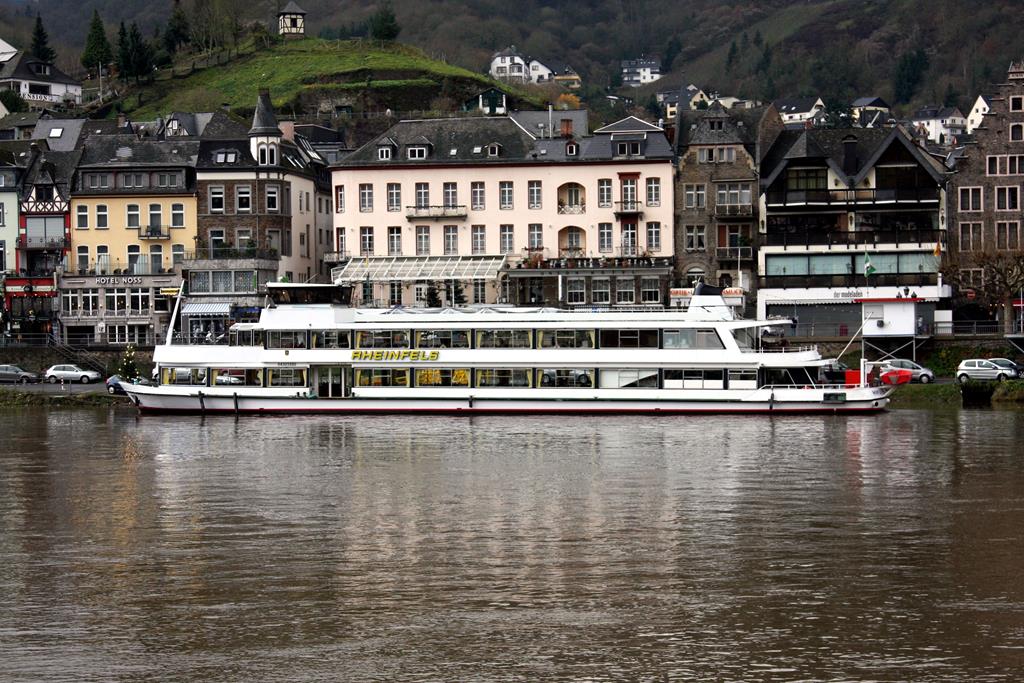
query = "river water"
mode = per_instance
[{"x": 884, "y": 548}]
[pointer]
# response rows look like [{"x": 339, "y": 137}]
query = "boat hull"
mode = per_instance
[{"x": 789, "y": 401}]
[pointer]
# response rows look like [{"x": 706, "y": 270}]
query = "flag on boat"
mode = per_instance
[
  {"x": 938, "y": 249},
  {"x": 869, "y": 269}
]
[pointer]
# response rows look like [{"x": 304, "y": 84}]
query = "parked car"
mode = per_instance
[
  {"x": 918, "y": 373},
  {"x": 12, "y": 373},
  {"x": 835, "y": 373},
  {"x": 114, "y": 383},
  {"x": 70, "y": 373},
  {"x": 982, "y": 368},
  {"x": 1017, "y": 368}
]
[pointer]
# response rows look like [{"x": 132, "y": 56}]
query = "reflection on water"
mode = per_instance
[{"x": 511, "y": 549}]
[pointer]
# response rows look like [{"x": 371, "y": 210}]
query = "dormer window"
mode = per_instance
[
  {"x": 493, "y": 149},
  {"x": 56, "y": 132},
  {"x": 628, "y": 149},
  {"x": 172, "y": 124},
  {"x": 383, "y": 153},
  {"x": 417, "y": 152},
  {"x": 572, "y": 149},
  {"x": 41, "y": 69},
  {"x": 716, "y": 125},
  {"x": 266, "y": 155}
]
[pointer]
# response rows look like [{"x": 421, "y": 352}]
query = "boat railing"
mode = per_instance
[{"x": 785, "y": 349}]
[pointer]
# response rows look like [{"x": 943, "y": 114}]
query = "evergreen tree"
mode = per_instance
[
  {"x": 910, "y": 70},
  {"x": 97, "y": 52},
  {"x": 952, "y": 97},
  {"x": 41, "y": 43},
  {"x": 124, "y": 55},
  {"x": 384, "y": 24},
  {"x": 141, "y": 53},
  {"x": 672, "y": 50},
  {"x": 458, "y": 294},
  {"x": 127, "y": 368},
  {"x": 178, "y": 31},
  {"x": 730, "y": 61},
  {"x": 757, "y": 38},
  {"x": 13, "y": 101},
  {"x": 433, "y": 297}
]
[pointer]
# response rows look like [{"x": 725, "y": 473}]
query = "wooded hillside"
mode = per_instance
[{"x": 907, "y": 51}]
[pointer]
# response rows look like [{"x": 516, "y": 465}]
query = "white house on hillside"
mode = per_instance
[
  {"x": 39, "y": 83},
  {"x": 941, "y": 124},
  {"x": 978, "y": 111},
  {"x": 799, "y": 109},
  {"x": 513, "y": 66},
  {"x": 637, "y": 72}
]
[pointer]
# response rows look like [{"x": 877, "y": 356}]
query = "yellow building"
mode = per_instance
[{"x": 133, "y": 222}]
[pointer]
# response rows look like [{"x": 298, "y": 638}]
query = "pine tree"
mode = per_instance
[
  {"x": 141, "y": 53},
  {"x": 177, "y": 32},
  {"x": 124, "y": 55},
  {"x": 730, "y": 61},
  {"x": 41, "y": 43},
  {"x": 433, "y": 297},
  {"x": 127, "y": 368},
  {"x": 384, "y": 24},
  {"x": 97, "y": 52},
  {"x": 13, "y": 101}
]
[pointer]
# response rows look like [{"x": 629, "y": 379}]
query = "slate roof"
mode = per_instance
[
  {"x": 630, "y": 124},
  {"x": 113, "y": 151},
  {"x": 531, "y": 121},
  {"x": 62, "y": 135},
  {"x": 21, "y": 119},
  {"x": 263, "y": 120},
  {"x": 558, "y": 67},
  {"x": 470, "y": 137},
  {"x": 796, "y": 105},
  {"x": 739, "y": 126},
  {"x": 869, "y": 102},
  {"x": 827, "y": 145},
  {"x": 19, "y": 68},
  {"x": 292, "y": 8},
  {"x": 49, "y": 167},
  {"x": 933, "y": 113}
]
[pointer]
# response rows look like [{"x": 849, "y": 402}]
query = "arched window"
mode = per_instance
[
  {"x": 272, "y": 155},
  {"x": 263, "y": 155},
  {"x": 693, "y": 276}
]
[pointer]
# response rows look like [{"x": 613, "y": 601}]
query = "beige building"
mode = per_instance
[
  {"x": 525, "y": 209},
  {"x": 133, "y": 219}
]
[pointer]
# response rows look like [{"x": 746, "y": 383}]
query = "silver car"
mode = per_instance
[
  {"x": 918, "y": 373},
  {"x": 70, "y": 373},
  {"x": 12, "y": 373},
  {"x": 1015, "y": 369},
  {"x": 982, "y": 368}
]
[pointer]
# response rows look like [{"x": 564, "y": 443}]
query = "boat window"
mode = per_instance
[
  {"x": 695, "y": 379},
  {"x": 286, "y": 377},
  {"x": 703, "y": 339},
  {"x": 565, "y": 377},
  {"x": 503, "y": 339},
  {"x": 286, "y": 339},
  {"x": 743, "y": 379},
  {"x": 245, "y": 338},
  {"x": 442, "y": 377},
  {"x": 382, "y": 339},
  {"x": 502, "y": 377},
  {"x": 382, "y": 377},
  {"x": 747, "y": 338},
  {"x": 240, "y": 377},
  {"x": 566, "y": 339},
  {"x": 330, "y": 339},
  {"x": 629, "y": 378},
  {"x": 629, "y": 339},
  {"x": 184, "y": 376},
  {"x": 442, "y": 339}
]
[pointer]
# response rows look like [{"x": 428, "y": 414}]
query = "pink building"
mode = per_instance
[{"x": 524, "y": 209}]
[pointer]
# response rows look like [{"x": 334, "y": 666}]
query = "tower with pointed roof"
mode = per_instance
[
  {"x": 265, "y": 135},
  {"x": 291, "y": 21}
]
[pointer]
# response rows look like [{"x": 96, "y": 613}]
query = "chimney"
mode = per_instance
[
  {"x": 850, "y": 155},
  {"x": 121, "y": 119},
  {"x": 287, "y": 130},
  {"x": 566, "y": 128}
]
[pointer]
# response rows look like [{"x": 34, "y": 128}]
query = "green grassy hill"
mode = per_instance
[{"x": 302, "y": 73}]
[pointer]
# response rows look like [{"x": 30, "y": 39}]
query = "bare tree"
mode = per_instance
[{"x": 1001, "y": 278}]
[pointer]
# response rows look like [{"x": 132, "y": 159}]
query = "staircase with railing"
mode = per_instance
[{"x": 78, "y": 356}]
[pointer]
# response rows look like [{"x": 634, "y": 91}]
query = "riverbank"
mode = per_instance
[
  {"x": 925, "y": 395},
  {"x": 13, "y": 398}
]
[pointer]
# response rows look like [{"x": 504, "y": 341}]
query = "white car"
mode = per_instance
[
  {"x": 70, "y": 373},
  {"x": 982, "y": 368}
]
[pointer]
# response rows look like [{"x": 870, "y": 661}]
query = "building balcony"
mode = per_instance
[
  {"x": 42, "y": 242},
  {"x": 848, "y": 280},
  {"x": 444, "y": 211},
  {"x": 856, "y": 238},
  {"x": 105, "y": 267},
  {"x": 630, "y": 207},
  {"x": 846, "y": 197},
  {"x": 225, "y": 253},
  {"x": 155, "y": 232},
  {"x": 734, "y": 210},
  {"x": 734, "y": 253},
  {"x": 551, "y": 267},
  {"x": 337, "y": 257},
  {"x": 572, "y": 209}
]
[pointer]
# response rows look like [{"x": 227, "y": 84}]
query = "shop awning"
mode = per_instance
[
  {"x": 412, "y": 268},
  {"x": 213, "y": 308}
]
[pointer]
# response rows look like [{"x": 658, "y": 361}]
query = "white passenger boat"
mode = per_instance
[{"x": 312, "y": 358}]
